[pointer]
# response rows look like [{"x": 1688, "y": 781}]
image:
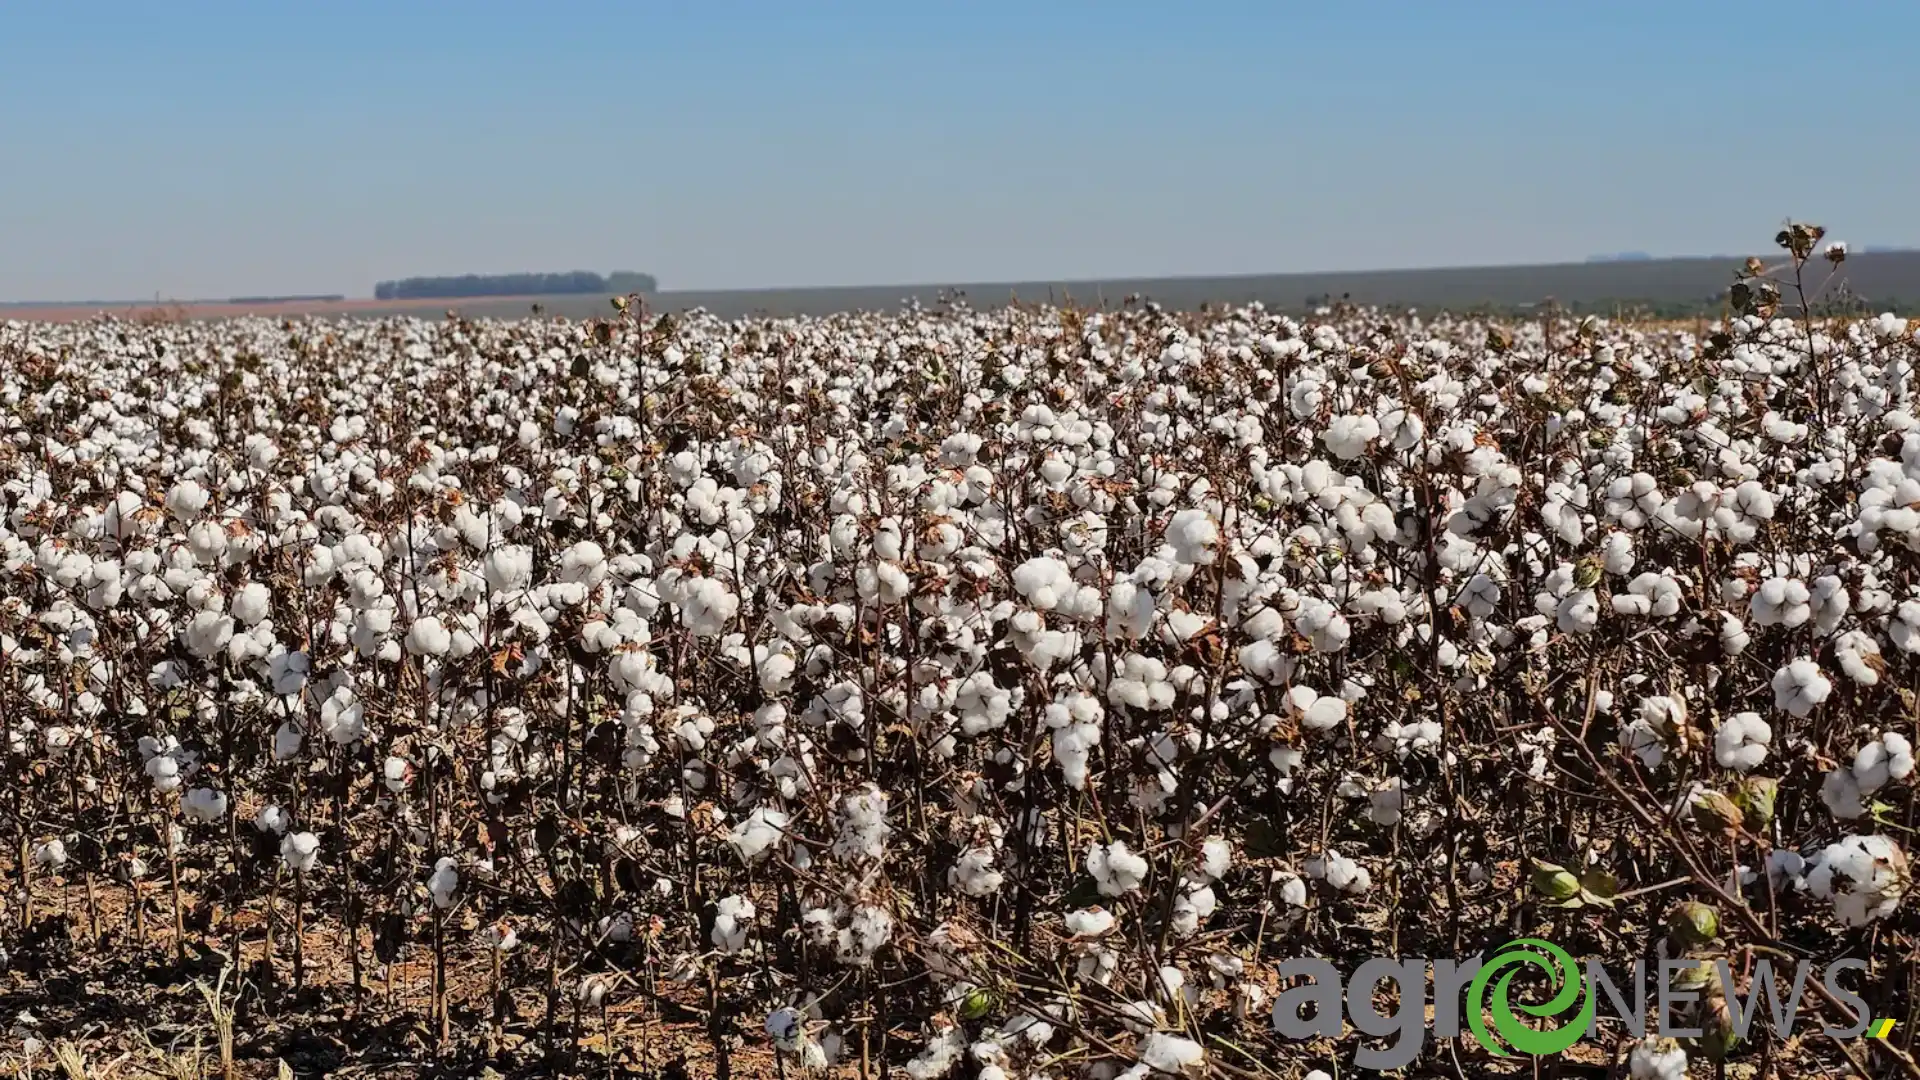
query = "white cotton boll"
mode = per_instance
[
  {"x": 1890, "y": 757},
  {"x": 1385, "y": 803},
  {"x": 1840, "y": 791},
  {"x": 861, "y": 829},
  {"x": 204, "y": 804},
  {"x": 185, "y": 500},
  {"x": 1780, "y": 602},
  {"x": 342, "y": 717},
  {"x": 428, "y": 637},
  {"x": 1799, "y": 687},
  {"x": 51, "y": 855},
  {"x": 1315, "y": 711},
  {"x": 1115, "y": 870},
  {"x": 1346, "y": 437},
  {"x": 1043, "y": 582},
  {"x": 758, "y": 832},
  {"x": 207, "y": 633},
  {"x": 300, "y": 851},
  {"x": 943, "y": 1052},
  {"x": 974, "y": 874},
  {"x": 1216, "y": 857},
  {"x": 1864, "y": 877},
  {"x": 1734, "y": 638},
  {"x": 1786, "y": 870},
  {"x": 1657, "y": 1059},
  {"x": 1578, "y": 612},
  {"x": 1616, "y": 553},
  {"x": 1339, "y": 873},
  {"x": 444, "y": 882},
  {"x": 1742, "y": 741},
  {"x": 272, "y": 819},
  {"x": 784, "y": 1025},
  {"x": 1641, "y": 739},
  {"x": 733, "y": 916},
  {"x": 165, "y": 772},
  {"x": 508, "y": 569},
  {"x": 1859, "y": 657},
  {"x": 286, "y": 741},
  {"x": 1090, "y": 922},
  {"x": 250, "y": 603},
  {"x": 1171, "y": 1053},
  {"x": 1194, "y": 536},
  {"x": 397, "y": 772}
]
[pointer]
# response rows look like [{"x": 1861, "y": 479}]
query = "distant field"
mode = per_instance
[{"x": 1888, "y": 279}]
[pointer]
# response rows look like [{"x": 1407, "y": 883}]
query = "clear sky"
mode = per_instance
[{"x": 202, "y": 150}]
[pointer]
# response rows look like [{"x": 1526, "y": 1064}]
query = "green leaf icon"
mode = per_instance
[{"x": 1570, "y": 988}]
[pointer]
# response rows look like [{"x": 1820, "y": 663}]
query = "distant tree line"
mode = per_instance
[{"x": 468, "y": 285}]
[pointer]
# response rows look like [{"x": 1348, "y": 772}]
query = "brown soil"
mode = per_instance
[{"x": 105, "y": 979}]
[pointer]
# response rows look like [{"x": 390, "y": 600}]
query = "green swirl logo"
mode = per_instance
[{"x": 1569, "y": 984}]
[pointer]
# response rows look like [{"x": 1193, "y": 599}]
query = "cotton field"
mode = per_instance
[{"x": 993, "y": 695}]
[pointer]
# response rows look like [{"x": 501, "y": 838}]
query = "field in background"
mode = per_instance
[{"x": 1890, "y": 280}]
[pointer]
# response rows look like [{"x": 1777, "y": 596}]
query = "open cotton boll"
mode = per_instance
[
  {"x": 444, "y": 882},
  {"x": 1657, "y": 1059},
  {"x": 1346, "y": 437},
  {"x": 1116, "y": 871},
  {"x": 185, "y": 500},
  {"x": 397, "y": 773},
  {"x": 1174, "y": 1054},
  {"x": 204, "y": 804},
  {"x": 1194, "y": 537},
  {"x": 272, "y": 819},
  {"x": 165, "y": 772},
  {"x": 1742, "y": 741},
  {"x": 1089, "y": 922},
  {"x": 428, "y": 637},
  {"x": 1042, "y": 581},
  {"x": 942, "y": 1053},
  {"x": 286, "y": 741},
  {"x": 1799, "y": 688},
  {"x": 300, "y": 851},
  {"x": 508, "y": 568},
  {"x": 758, "y": 832},
  {"x": 51, "y": 855},
  {"x": 1339, "y": 873},
  {"x": 861, "y": 830},
  {"x": 730, "y": 923},
  {"x": 1315, "y": 711},
  {"x": 251, "y": 603},
  {"x": 1864, "y": 877}
]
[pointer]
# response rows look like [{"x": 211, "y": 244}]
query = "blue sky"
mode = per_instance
[{"x": 204, "y": 150}]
